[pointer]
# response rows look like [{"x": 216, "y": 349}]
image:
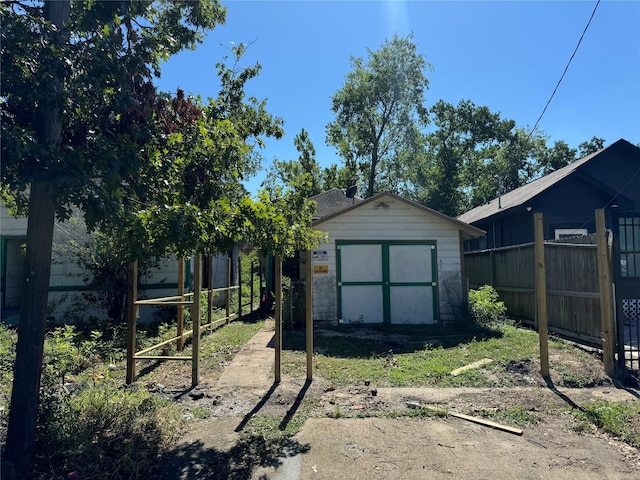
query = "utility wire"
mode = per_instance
[{"x": 565, "y": 69}]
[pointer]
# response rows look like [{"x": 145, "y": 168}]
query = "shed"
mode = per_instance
[{"x": 389, "y": 260}]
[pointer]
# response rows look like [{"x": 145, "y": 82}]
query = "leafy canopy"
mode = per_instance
[{"x": 379, "y": 112}]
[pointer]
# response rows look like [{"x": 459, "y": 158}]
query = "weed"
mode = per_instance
[
  {"x": 516, "y": 415},
  {"x": 621, "y": 419},
  {"x": 105, "y": 432},
  {"x": 337, "y": 413},
  {"x": 200, "y": 413}
]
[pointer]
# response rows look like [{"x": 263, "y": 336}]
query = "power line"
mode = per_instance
[{"x": 565, "y": 69}]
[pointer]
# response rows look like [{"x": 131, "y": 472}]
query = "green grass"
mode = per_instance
[
  {"x": 348, "y": 359},
  {"x": 229, "y": 337},
  {"x": 621, "y": 419}
]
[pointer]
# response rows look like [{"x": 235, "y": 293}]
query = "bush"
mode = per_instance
[
  {"x": 104, "y": 432},
  {"x": 484, "y": 306}
]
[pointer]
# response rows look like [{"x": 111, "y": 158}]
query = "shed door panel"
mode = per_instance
[
  {"x": 361, "y": 263},
  {"x": 390, "y": 282},
  {"x": 362, "y": 304},
  {"x": 410, "y": 263},
  {"x": 411, "y": 283},
  {"x": 361, "y": 283},
  {"x": 411, "y": 304}
]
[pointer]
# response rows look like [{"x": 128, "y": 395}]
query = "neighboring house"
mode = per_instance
[
  {"x": 388, "y": 260},
  {"x": 568, "y": 198},
  {"x": 68, "y": 281}
]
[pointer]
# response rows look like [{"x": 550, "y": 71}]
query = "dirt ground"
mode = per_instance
[{"x": 333, "y": 444}]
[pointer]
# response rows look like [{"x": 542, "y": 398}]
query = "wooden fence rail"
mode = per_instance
[{"x": 192, "y": 301}]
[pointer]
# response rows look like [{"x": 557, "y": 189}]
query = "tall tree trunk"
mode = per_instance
[{"x": 21, "y": 433}]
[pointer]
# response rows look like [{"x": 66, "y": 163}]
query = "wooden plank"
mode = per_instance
[
  {"x": 153, "y": 301},
  {"x": 158, "y": 300},
  {"x": 469, "y": 418},
  {"x": 162, "y": 357},
  {"x": 541, "y": 294},
  {"x": 606, "y": 304},
  {"x": 566, "y": 293},
  {"x": 515, "y": 289},
  {"x": 221, "y": 321},
  {"x": 221, "y": 289},
  {"x": 157, "y": 345},
  {"x": 471, "y": 366},
  {"x": 132, "y": 314}
]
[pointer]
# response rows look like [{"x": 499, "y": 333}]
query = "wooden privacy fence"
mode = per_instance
[
  {"x": 192, "y": 301},
  {"x": 572, "y": 285}
]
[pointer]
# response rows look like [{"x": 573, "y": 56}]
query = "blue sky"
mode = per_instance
[{"x": 506, "y": 55}]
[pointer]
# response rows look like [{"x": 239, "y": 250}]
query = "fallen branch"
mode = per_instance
[{"x": 479, "y": 421}]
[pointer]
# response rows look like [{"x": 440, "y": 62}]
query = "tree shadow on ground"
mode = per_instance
[
  {"x": 196, "y": 461},
  {"x": 364, "y": 341}
]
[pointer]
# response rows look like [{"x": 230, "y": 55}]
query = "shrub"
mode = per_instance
[
  {"x": 484, "y": 306},
  {"x": 105, "y": 432}
]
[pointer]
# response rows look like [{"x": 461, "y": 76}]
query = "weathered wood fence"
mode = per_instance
[{"x": 573, "y": 298}]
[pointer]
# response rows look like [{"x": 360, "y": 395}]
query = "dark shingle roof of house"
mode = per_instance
[
  {"x": 332, "y": 201},
  {"x": 526, "y": 193}
]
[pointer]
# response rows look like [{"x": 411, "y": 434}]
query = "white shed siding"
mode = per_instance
[{"x": 395, "y": 221}]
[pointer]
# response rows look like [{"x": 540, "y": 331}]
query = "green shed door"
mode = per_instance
[{"x": 387, "y": 282}]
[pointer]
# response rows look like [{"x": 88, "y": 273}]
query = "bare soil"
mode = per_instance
[{"x": 365, "y": 432}]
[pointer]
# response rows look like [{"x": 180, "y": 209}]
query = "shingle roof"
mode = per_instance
[
  {"x": 526, "y": 193},
  {"x": 469, "y": 230},
  {"x": 332, "y": 201}
]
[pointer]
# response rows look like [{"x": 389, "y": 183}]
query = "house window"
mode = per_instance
[
  {"x": 570, "y": 232},
  {"x": 630, "y": 246}
]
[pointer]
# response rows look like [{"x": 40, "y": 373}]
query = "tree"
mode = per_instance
[
  {"x": 590, "y": 146},
  {"x": 379, "y": 111},
  {"x": 76, "y": 97},
  {"x": 556, "y": 157},
  {"x": 304, "y": 173}
]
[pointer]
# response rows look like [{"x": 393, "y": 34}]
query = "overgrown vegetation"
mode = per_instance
[
  {"x": 91, "y": 426},
  {"x": 485, "y": 307}
]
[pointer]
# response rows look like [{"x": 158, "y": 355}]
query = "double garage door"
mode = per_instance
[{"x": 387, "y": 282}]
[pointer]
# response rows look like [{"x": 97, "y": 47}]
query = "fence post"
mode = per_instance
[
  {"x": 239, "y": 285},
  {"x": 228, "y": 293},
  {"x": 195, "y": 321},
  {"x": 251, "y": 290},
  {"x": 309, "y": 314},
  {"x": 278, "y": 329},
  {"x": 606, "y": 306},
  {"x": 132, "y": 313},
  {"x": 180, "y": 306},
  {"x": 209, "y": 260},
  {"x": 541, "y": 294}
]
